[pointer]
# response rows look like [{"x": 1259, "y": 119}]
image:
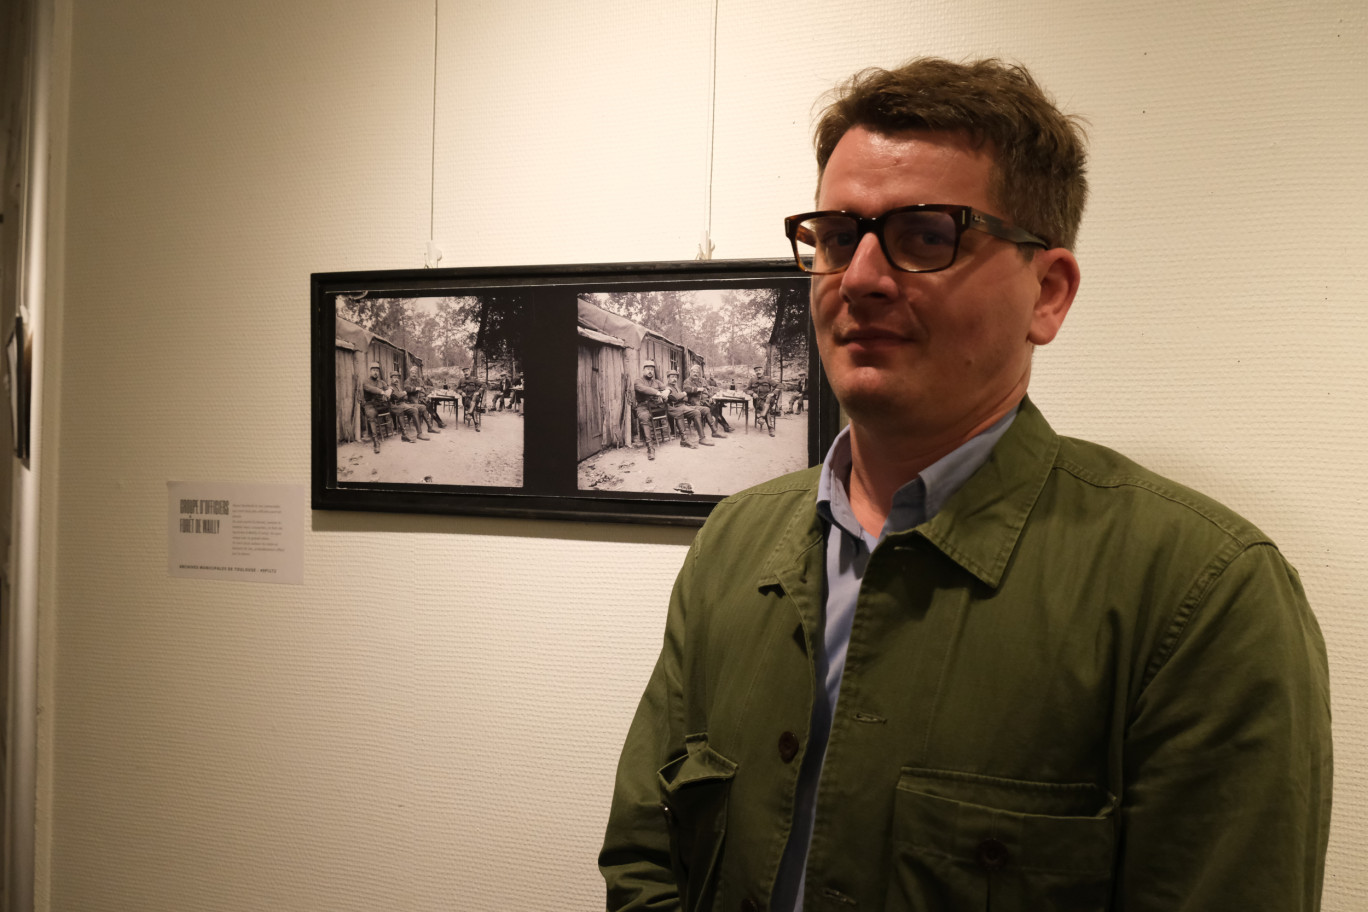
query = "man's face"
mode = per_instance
[
  {"x": 375, "y": 374},
  {"x": 926, "y": 352},
  {"x": 759, "y": 372},
  {"x": 648, "y": 372}
]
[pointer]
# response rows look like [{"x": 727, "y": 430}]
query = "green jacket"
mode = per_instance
[{"x": 1079, "y": 686}]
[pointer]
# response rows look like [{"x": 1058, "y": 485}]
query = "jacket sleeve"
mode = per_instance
[
  {"x": 1228, "y": 752},
  {"x": 635, "y": 859}
]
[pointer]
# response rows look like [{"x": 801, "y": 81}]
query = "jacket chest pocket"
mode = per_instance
[
  {"x": 967, "y": 843},
  {"x": 693, "y": 798}
]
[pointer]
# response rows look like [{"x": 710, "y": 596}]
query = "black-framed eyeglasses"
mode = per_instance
[{"x": 923, "y": 238}]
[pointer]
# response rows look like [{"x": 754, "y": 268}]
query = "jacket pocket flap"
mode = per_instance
[
  {"x": 701, "y": 764},
  {"x": 1055, "y": 799},
  {"x": 990, "y": 822}
]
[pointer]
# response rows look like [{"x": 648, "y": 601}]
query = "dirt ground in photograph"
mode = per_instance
[
  {"x": 738, "y": 461},
  {"x": 459, "y": 455}
]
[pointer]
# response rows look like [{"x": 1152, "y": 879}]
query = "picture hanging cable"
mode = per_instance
[
  {"x": 432, "y": 255},
  {"x": 705, "y": 246}
]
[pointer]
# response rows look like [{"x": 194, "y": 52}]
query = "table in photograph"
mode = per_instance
[
  {"x": 734, "y": 399},
  {"x": 442, "y": 399}
]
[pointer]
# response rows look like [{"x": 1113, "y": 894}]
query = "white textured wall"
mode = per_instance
[{"x": 431, "y": 721}]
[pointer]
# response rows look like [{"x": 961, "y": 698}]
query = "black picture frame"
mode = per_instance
[{"x": 566, "y": 336}]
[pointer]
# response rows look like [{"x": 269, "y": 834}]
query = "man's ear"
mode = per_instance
[{"x": 1057, "y": 269}]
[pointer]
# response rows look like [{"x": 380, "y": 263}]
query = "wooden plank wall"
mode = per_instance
[{"x": 348, "y": 374}]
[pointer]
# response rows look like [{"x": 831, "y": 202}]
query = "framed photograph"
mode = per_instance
[{"x": 636, "y": 392}]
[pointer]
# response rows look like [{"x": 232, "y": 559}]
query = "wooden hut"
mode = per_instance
[
  {"x": 602, "y": 392},
  {"x": 612, "y": 349},
  {"x": 357, "y": 349}
]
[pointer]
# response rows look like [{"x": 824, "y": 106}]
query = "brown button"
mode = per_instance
[
  {"x": 669, "y": 814},
  {"x": 749, "y": 905},
  {"x": 992, "y": 854},
  {"x": 788, "y": 746}
]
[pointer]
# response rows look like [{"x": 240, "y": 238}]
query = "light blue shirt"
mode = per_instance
[{"x": 847, "y": 553}]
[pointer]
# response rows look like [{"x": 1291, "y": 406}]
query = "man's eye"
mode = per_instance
[{"x": 838, "y": 238}]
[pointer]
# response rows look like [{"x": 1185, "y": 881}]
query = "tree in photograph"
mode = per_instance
[
  {"x": 748, "y": 318},
  {"x": 381, "y": 316},
  {"x": 499, "y": 327},
  {"x": 451, "y": 334},
  {"x": 670, "y": 313},
  {"x": 788, "y": 338}
]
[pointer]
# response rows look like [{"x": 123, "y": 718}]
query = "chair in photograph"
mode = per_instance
[
  {"x": 477, "y": 408},
  {"x": 661, "y": 425},
  {"x": 383, "y": 425}
]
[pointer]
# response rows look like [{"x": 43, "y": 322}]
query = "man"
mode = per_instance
[
  {"x": 400, "y": 407},
  {"x": 967, "y": 663},
  {"x": 501, "y": 389},
  {"x": 763, "y": 392},
  {"x": 798, "y": 388},
  {"x": 432, "y": 399},
  {"x": 472, "y": 391},
  {"x": 677, "y": 405},
  {"x": 648, "y": 393},
  {"x": 375, "y": 401},
  {"x": 717, "y": 405},
  {"x": 700, "y": 399},
  {"x": 417, "y": 397}
]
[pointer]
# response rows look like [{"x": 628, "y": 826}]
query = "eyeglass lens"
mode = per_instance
[{"x": 917, "y": 241}]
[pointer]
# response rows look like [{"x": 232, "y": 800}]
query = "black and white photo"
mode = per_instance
[
  {"x": 429, "y": 390},
  {"x": 633, "y": 392},
  {"x": 697, "y": 391}
]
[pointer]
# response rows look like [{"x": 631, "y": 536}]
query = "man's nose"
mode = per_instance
[{"x": 869, "y": 271}]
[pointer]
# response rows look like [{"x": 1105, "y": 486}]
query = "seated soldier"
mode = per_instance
[
  {"x": 374, "y": 403},
  {"x": 648, "y": 393},
  {"x": 501, "y": 388},
  {"x": 718, "y": 406},
  {"x": 417, "y": 396},
  {"x": 400, "y": 408},
  {"x": 700, "y": 398},
  {"x": 676, "y": 404},
  {"x": 763, "y": 391},
  {"x": 472, "y": 390}
]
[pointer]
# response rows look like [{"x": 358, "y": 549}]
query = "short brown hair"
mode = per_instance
[{"x": 1040, "y": 176}]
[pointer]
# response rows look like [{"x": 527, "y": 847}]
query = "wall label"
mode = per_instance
[{"x": 228, "y": 531}]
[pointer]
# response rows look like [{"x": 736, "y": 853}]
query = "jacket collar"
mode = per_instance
[
  {"x": 797, "y": 561},
  {"x": 978, "y": 527}
]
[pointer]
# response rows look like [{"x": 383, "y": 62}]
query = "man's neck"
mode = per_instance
[{"x": 883, "y": 460}]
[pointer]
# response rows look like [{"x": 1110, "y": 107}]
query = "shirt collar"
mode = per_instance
[{"x": 914, "y": 503}]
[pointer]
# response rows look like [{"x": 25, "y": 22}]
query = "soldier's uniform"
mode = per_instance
[
  {"x": 701, "y": 398},
  {"x": 400, "y": 406},
  {"x": 374, "y": 403},
  {"x": 678, "y": 408},
  {"x": 647, "y": 392},
  {"x": 761, "y": 390},
  {"x": 472, "y": 395},
  {"x": 417, "y": 397}
]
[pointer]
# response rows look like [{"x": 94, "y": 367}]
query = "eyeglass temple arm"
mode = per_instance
[{"x": 997, "y": 227}]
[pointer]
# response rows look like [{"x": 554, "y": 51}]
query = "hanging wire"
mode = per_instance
[
  {"x": 705, "y": 246},
  {"x": 431, "y": 255}
]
